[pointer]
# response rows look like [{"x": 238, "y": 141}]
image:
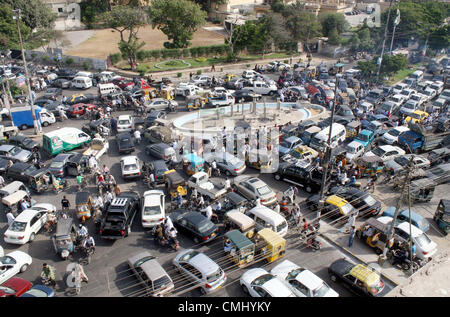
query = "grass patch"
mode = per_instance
[{"x": 402, "y": 74}]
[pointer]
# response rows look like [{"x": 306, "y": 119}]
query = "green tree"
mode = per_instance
[
  {"x": 125, "y": 19},
  {"x": 366, "y": 43},
  {"x": 92, "y": 9},
  {"x": 129, "y": 50},
  {"x": 34, "y": 13},
  {"x": 333, "y": 37},
  {"x": 9, "y": 38},
  {"x": 178, "y": 19},
  {"x": 355, "y": 42},
  {"x": 333, "y": 21},
  {"x": 440, "y": 38}
]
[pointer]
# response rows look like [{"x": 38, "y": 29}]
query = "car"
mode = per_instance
[
  {"x": 354, "y": 150},
  {"x": 4, "y": 165},
  {"x": 52, "y": 93},
  {"x": 201, "y": 80},
  {"x": 125, "y": 123},
  {"x": 152, "y": 116},
  {"x": 300, "y": 90},
  {"x": 309, "y": 177},
  {"x": 130, "y": 167},
  {"x": 125, "y": 142},
  {"x": 245, "y": 96},
  {"x": 15, "y": 153},
  {"x": 13, "y": 263},
  {"x": 417, "y": 116},
  {"x": 14, "y": 287},
  {"x": 398, "y": 164},
  {"x": 24, "y": 142},
  {"x": 150, "y": 274},
  {"x": 27, "y": 224},
  {"x": 429, "y": 94},
  {"x": 335, "y": 205},
  {"x": 159, "y": 169},
  {"x": 409, "y": 107},
  {"x": 81, "y": 98},
  {"x": 405, "y": 215},
  {"x": 43, "y": 101},
  {"x": 359, "y": 278},
  {"x": 391, "y": 136},
  {"x": 62, "y": 83},
  {"x": 440, "y": 174},
  {"x": 153, "y": 206},
  {"x": 58, "y": 166},
  {"x": 78, "y": 109},
  {"x": 227, "y": 162},
  {"x": 195, "y": 225},
  {"x": 386, "y": 152},
  {"x": 407, "y": 93},
  {"x": 420, "y": 98},
  {"x": 249, "y": 74},
  {"x": 253, "y": 188},
  {"x": 66, "y": 73},
  {"x": 258, "y": 282},
  {"x": 19, "y": 171},
  {"x": 39, "y": 291},
  {"x": 160, "y": 104},
  {"x": 289, "y": 144},
  {"x": 302, "y": 282},
  {"x": 161, "y": 151},
  {"x": 200, "y": 269},
  {"x": 365, "y": 203}
]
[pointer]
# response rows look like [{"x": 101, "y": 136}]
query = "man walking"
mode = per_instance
[{"x": 352, "y": 236}]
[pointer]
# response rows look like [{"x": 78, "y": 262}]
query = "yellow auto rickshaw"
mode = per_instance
[
  {"x": 167, "y": 93},
  {"x": 150, "y": 93},
  {"x": 269, "y": 245},
  {"x": 83, "y": 203},
  {"x": 239, "y": 248},
  {"x": 175, "y": 184},
  {"x": 194, "y": 102},
  {"x": 369, "y": 166},
  {"x": 260, "y": 159},
  {"x": 352, "y": 129},
  {"x": 228, "y": 77},
  {"x": 237, "y": 220},
  {"x": 373, "y": 232}
]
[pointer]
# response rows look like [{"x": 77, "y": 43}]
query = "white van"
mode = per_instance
[
  {"x": 265, "y": 217},
  {"x": 106, "y": 89},
  {"x": 319, "y": 141},
  {"x": 417, "y": 75},
  {"x": 82, "y": 82},
  {"x": 84, "y": 74}
]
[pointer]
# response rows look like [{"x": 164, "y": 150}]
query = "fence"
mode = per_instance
[{"x": 53, "y": 55}]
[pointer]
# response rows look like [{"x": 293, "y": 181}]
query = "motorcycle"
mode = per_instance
[
  {"x": 405, "y": 263},
  {"x": 313, "y": 244},
  {"x": 48, "y": 282},
  {"x": 174, "y": 244},
  {"x": 59, "y": 186}
]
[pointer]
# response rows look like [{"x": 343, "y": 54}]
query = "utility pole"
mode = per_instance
[
  {"x": 380, "y": 60},
  {"x": 410, "y": 233},
  {"x": 27, "y": 76},
  {"x": 396, "y": 22},
  {"x": 382, "y": 258},
  {"x": 327, "y": 157}
]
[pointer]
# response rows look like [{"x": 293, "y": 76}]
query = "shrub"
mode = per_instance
[
  {"x": 45, "y": 58},
  {"x": 141, "y": 55},
  {"x": 171, "y": 63},
  {"x": 221, "y": 49},
  {"x": 201, "y": 59},
  {"x": 142, "y": 69},
  {"x": 199, "y": 72},
  {"x": 69, "y": 61},
  {"x": 248, "y": 65},
  {"x": 179, "y": 75},
  {"x": 208, "y": 50},
  {"x": 193, "y": 51},
  {"x": 286, "y": 61},
  {"x": 115, "y": 58},
  {"x": 156, "y": 54},
  {"x": 200, "y": 51},
  {"x": 164, "y": 53},
  {"x": 86, "y": 65},
  {"x": 186, "y": 52}
]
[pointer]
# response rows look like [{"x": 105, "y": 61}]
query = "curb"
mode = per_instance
[{"x": 345, "y": 250}]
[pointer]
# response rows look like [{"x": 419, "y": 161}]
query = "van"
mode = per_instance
[
  {"x": 265, "y": 217},
  {"x": 417, "y": 75},
  {"x": 82, "y": 82},
  {"x": 64, "y": 139},
  {"x": 84, "y": 74},
  {"x": 319, "y": 141},
  {"x": 309, "y": 133},
  {"x": 12, "y": 188},
  {"x": 106, "y": 89}
]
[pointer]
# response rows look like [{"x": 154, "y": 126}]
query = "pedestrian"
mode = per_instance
[
  {"x": 190, "y": 75},
  {"x": 351, "y": 236},
  {"x": 62, "y": 115},
  {"x": 105, "y": 170},
  {"x": 117, "y": 190},
  {"x": 63, "y": 99},
  {"x": 65, "y": 203},
  {"x": 137, "y": 136},
  {"x": 10, "y": 217},
  {"x": 113, "y": 125},
  {"x": 213, "y": 68}
]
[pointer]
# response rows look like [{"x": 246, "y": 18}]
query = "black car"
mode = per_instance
[
  {"x": 43, "y": 101},
  {"x": 158, "y": 168},
  {"x": 118, "y": 219},
  {"x": 4, "y": 164},
  {"x": 61, "y": 83},
  {"x": 125, "y": 142},
  {"x": 194, "y": 224},
  {"x": 18, "y": 171},
  {"x": 246, "y": 96},
  {"x": 53, "y": 93},
  {"x": 152, "y": 116},
  {"x": 360, "y": 200},
  {"x": 359, "y": 279},
  {"x": 66, "y": 74},
  {"x": 309, "y": 177},
  {"x": 23, "y": 141}
]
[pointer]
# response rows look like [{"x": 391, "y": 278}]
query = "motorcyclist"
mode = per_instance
[
  {"x": 400, "y": 256},
  {"x": 82, "y": 231},
  {"x": 89, "y": 243},
  {"x": 172, "y": 236},
  {"x": 179, "y": 200},
  {"x": 48, "y": 274}
]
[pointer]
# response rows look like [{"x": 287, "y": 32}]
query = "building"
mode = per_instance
[{"x": 69, "y": 14}]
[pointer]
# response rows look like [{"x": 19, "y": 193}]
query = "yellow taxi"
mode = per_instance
[
  {"x": 228, "y": 77},
  {"x": 335, "y": 203},
  {"x": 417, "y": 116}
]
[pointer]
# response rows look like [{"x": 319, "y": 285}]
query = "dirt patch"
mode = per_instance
[{"x": 104, "y": 42}]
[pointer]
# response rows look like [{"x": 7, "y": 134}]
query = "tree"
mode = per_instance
[
  {"x": 333, "y": 21},
  {"x": 355, "y": 42},
  {"x": 440, "y": 38},
  {"x": 92, "y": 9},
  {"x": 333, "y": 37},
  {"x": 125, "y": 19},
  {"x": 272, "y": 27},
  {"x": 366, "y": 43},
  {"x": 35, "y": 13},
  {"x": 129, "y": 50},
  {"x": 178, "y": 19},
  {"x": 9, "y": 37}
]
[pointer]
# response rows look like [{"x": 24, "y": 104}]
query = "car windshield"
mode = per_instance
[
  {"x": 57, "y": 164},
  {"x": 351, "y": 149},
  {"x": 296, "y": 154},
  {"x": 7, "y": 290},
  {"x": 215, "y": 276},
  {"x": 26, "y": 141},
  {"x": 36, "y": 293},
  {"x": 415, "y": 97},
  {"x": 7, "y": 260},
  {"x": 401, "y": 160},
  {"x": 261, "y": 280},
  {"x": 321, "y": 290},
  {"x": 409, "y": 105},
  {"x": 18, "y": 226},
  {"x": 14, "y": 150},
  {"x": 152, "y": 210},
  {"x": 281, "y": 226},
  {"x": 143, "y": 260},
  {"x": 415, "y": 115},
  {"x": 130, "y": 167},
  {"x": 123, "y": 122},
  {"x": 347, "y": 209},
  {"x": 205, "y": 226},
  {"x": 264, "y": 190},
  {"x": 378, "y": 152},
  {"x": 124, "y": 141},
  {"x": 162, "y": 282},
  {"x": 285, "y": 144},
  {"x": 423, "y": 240},
  {"x": 369, "y": 200},
  {"x": 363, "y": 137},
  {"x": 394, "y": 132}
]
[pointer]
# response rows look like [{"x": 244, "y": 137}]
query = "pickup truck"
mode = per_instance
[
  {"x": 420, "y": 138},
  {"x": 99, "y": 146},
  {"x": 206, "y": 186},
  {"x": 221, "y": 100},
  {"x": 263, "y": 88}
]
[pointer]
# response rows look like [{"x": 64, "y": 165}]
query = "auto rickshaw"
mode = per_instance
[
  {"x": 65, "y": 237},
  {"x": 175, "y": 184},
  {"x": 149, "y": 93},
  {"x": 77, "y": 163},
  {"x": 260, "y": 159},
  {"x": 12, "y": 202},
  {"x": 422, "y": 190},
  {"x": 193, "y": 164},
  {"x": 352, "y": 129},
  {"x": 337, "y": 68},
  {"x": 442, "y": 216},
  {"x": 39, "y": 180},
  {"x": 234, "y": 201},
  {"x": 83, "y": 202},
  {"x": 377, "y": 238},
  {"x": 239, "y": 248},
  {"x": 369, "y": 165},
  {"x": 167, "y": 93},
  {"x": 269, "y": 245},
  {"x": 240, "y": 221},
  {"x": 194, "y": 102}
]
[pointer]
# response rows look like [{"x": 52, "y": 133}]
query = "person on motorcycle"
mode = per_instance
[
  {"x": 159, "y": 233},
  {"x": 82, "y": 231},
  {"x": 208, "y": 212},
  {"x": 179, "y": 200},
  {"x": 51, "y": 219},
  {"x": 168, "y": 224},
  {"x": 89, "y": 243},
  {"x": 172, "y": 236},
  {"x": 400, "y": 256},
  {"x": 48, "y": 274},
  {"x": 137, "y": 136},
  {"x": 217, "y": 206}
]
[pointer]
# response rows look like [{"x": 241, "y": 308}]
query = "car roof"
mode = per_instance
[
  {"x": 124, "y": 117},
  {"x": 152, "y": 197},
  {"x": 129, "y": 159},
  {"x": 406, "y": 228},
  {"x": 6, "y": 147},
  {"x": 336, "y": 200},
  {"x": 26, "y": 215},
  {"x": 309, "y": 279},
  {"x": 204, "y": 264}
]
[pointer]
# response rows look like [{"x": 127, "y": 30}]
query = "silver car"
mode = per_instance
[
  {"x": 151, "y": 274},
  {"x": 161, "y": 151},
  {"x": 160, "y": 104},
  {"x": 253, "y": 188},
  {"x": 15, "y": 153},
  {"x": 199, "y": 268},
  {"x": 227, "y": 162}
]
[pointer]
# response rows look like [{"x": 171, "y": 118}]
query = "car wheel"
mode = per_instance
[
  {"x": 23, "y": 127},
  {"x": 271, "y": 93},
  {"x": 277, "y": 177},
  {"x": 333, "y": 278},
  {"x": 45, "y": 124},
  {"x": 245, "y": 289},
  {"x": 202, "y": 291},
  {"x": 227, "y": 172},
  {"x": 24, "y": 268},
  {"x": 32, "y": 236}
]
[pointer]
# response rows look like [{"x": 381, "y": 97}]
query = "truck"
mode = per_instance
[
  {"x": 98, "y": 147},
  {"x": 64, "y": 139},
  {"x": 22, "y": 117},
  {"x": 206, "y": 186},
  {"x": 263, "y": 88},
  {"x": 421, "y": 138}
]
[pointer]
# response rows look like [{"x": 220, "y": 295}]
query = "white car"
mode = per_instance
[
  {"x": 302, "y": 282},
  {"x": 399, "y": 87},
  {"x": 391, "y": 136},
  {"x": 13, "y": 263},
  {"x": 386, "y": 152},
  {"x": 249, "y": 74},
  {"x": 124, "y": 123},
  {"x": 201, "y": 80},
  {"x": 26, "y": 225},
  {"x": 398, "y": 100},
  {"x": 354, "y": 150},
  {"x": 130, "y": 167},
  {"x": 153, "y": 208},
  {"x": 260, "y": 283},
  {"x": 437, "y": 86},
  {"x": 407, "y": 93},
  {"x": 429, "y": 93},
  {"x": 160, "y": 104},
  {"x": 186, "y": 89},
  {"x": 419, "y": 97},
  {"x": 217, "y": 91},
  {"x": 409, "y": 107}
]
